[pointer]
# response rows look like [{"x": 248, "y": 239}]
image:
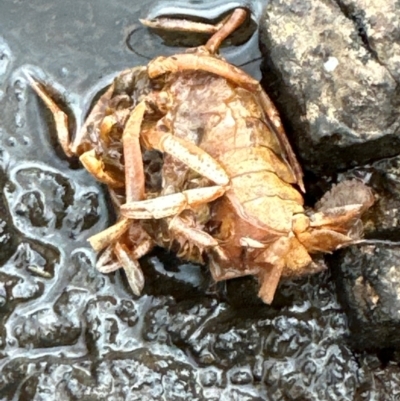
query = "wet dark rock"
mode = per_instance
[
  {"x": 242, "y": 292},
  {"x": 31, "y": 206},
  {"x": 368, "y": 281},
  {"x": 45, "y": 329},
  {"x": 336, "y": 88},
  {"x": 138, "y": 375},
  {"x": 366, "y": 276},
  {"x": 6, "y": 59},
  {"x": 47, "y": 199},
  {"x": 172, "y": 322},
  {"x": 36, "y": 258},
  {"x": 377, "y": 378},
  {"x": 381, "y": 220},
  {"x": 110, "y": 325},
  {"x": 165, "y": 273},
  {"x": 81, "y": 273},
  {"x": 210, "y": 377},
  {"x": 8, "y": 233},
  {"x": 338, "y": 92},
  {"x": 231, "y": 337},
  {"x": 126, "y": 311},
  {"x": 27, "y": 286},
  {"x": 83, "y": 214},
  {"x": 241, "y": 375}
]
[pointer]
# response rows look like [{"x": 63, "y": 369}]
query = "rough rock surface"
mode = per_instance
[
  {"x": 332, "y": 69},
  {"x": 381, "y": 221},
  {"x": 366, "y": 275},
  {"x": 68, "y": 332},
  {"x": 368, "y": 283}
]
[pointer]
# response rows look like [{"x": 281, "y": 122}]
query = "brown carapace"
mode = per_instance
[{"x": 230, "y": 182}]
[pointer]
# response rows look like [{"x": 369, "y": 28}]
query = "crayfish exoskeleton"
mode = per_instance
[{"x": 231, "y": 183}]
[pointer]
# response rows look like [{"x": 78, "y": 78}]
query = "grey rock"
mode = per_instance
[
  {"x": 366, "y": 275},
  {"x": 368, "y": 281},
  {"x": 334, "y": 79},
  {"x": 378, "y": 26},
  {"x": 381, "y": 221}
]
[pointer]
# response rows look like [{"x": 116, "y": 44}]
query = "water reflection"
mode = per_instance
[
  {"x": 205, "y": 8},
  {"x": 148, "y": 44}
]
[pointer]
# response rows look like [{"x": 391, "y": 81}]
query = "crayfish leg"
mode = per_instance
[
  {"x": 203, "y": 62},
  {"x": 171, "y": 205},
  {"x": 124, "y": 250},
  {"x": 270, "y": 277},
  {"x": 125, "y": 259},
  {"x": 188, "y": 153},
  {"x": 131, "y": 267},
  {"x": 272, "y": 262},
  {"x": 180, "y": 25},
  {"x": 134, "y": 191},
  {"x": 106, "y": 263},
  {"x": 220, "y": 31},
  {"x": 233, "y": 22},
  {"x": 96, "y": 168},
  {"x": 200, "y": 238},
  {"x": 60, "y": 118},
  {"x": 109, "y": 235},
  {"x": 134, "y": 171}
]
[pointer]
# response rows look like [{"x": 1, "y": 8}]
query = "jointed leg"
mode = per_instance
[
  {"x": 128, "y": 260},
  {"x": 106, "y": 262},
  {"x": 131, "y": 266},
  {"x": 96, "y": 168},
  {"x": 179, "y": 25},
  {"x": 191, "y": 237},
  {"x": 272, "y": 262},
  {"x": 230, "y": 25},
  {"x": 127, "y": 247},
  {"x": 268, "y": 269},
  {"x": 134, "y": 172},
  {"x": 88, "y": 158},
  {"x": 192, "y": 61},
  {"x": 137, "y": 237},
  {"x": 171, "y": 205},
  {"x": 109, "y": 235},
  {"x": 267, "y": 266},
  {"x": 269, "y": 280},
  {"x": 178, "y": 227},
  {"x": 220, "y": 31},
  {"x": 134, "y": 177},
  {"x": 60, "y": 118},
  {"x": 188, "y": 153}
]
